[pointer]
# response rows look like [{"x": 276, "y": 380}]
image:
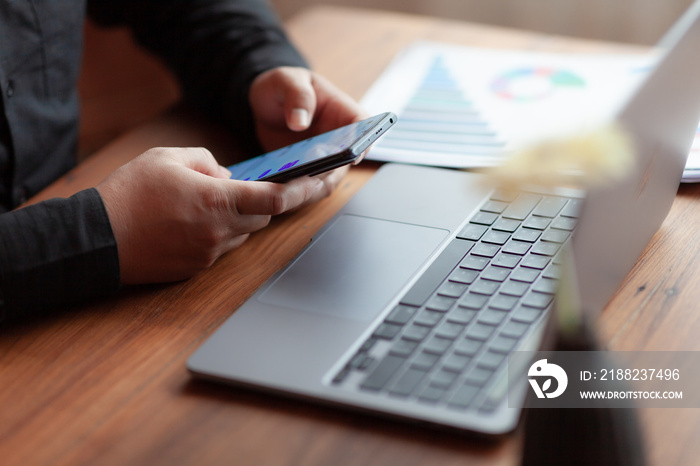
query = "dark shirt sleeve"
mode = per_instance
[
  {"x": 56, "y": 253},
  {"x": 215, "y": 47}
]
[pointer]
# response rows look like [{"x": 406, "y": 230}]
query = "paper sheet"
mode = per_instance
[{"x": 470, "y": 107}]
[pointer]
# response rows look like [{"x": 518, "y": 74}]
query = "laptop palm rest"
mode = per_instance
[{"x": 354, "y": 268}]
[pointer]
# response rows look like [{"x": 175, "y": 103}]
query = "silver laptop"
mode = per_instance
[{"x": 409, "y": 300}]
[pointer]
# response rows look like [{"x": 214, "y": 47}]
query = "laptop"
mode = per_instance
[{"x": 409, "y": 300}]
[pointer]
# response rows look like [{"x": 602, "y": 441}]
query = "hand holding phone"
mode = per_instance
[{"x": 315, "y": 155}]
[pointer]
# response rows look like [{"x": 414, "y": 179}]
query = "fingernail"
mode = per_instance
[{"x": 299, "y": 119}]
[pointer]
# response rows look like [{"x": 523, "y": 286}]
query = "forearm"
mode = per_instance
[
  {"x": 215, "y": 47},
  {"x": 56, "y": 253}
]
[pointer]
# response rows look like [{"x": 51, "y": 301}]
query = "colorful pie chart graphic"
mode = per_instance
[{"x": 533, "y": 84}]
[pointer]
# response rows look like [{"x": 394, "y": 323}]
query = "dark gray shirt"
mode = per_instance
[{"x": 63, "y": 251}]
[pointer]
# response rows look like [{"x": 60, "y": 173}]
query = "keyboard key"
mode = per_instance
[
  {"x": 426, "y": 360},
  {"x": 428, "y": 318},
  {"x": 436, "y": 273},
  {"x": 342, "y": 375},
  {"x": 522, "y": 206},
  {"x": 537, "y": 223},
  {"x": 503, "y": 302},
  {"x": 564, "y": 223},
  {"x": 546, "y": 285},
  {"x": 535, "y": 262},
  {"x": 552, "y": 271},
  {"x": 496, "y": 237},
  {"x": 484, "y": 218},
  {"x": 452, "y": 290},
  {"x": 403, "y": 347},
  {"x": 460, "y": 315},
  {"x": 528, "y": 235},
  {"x": 526, "y": 275},
  {"x": 381, "y": 374},
  {"x": 491, "y": 360},
  {"x": 432, "y": 394},
  {"x": 555, "y": 236},
  {"x": 485, "y": 250},
  {"x": 559, "y": 258},
  {"x": 503, "y": 344},
  {"x": 443, "y": 379},
  {"x": 496, "y": 274},
  {"x": 401, "y": 314},
  {"x": 514, "y": 288},
  {"x": 496, "y": 207},
  {"x": 468, "y": 347},
  {"x": 506, "y": 260},
  {"x": 456, "y": 363},
  {"x": 408, "y": 381},
  {"x": 549, "y": 206},
  {"x": 465, "y": 276},
  {"x": 537, "y": 300},
  {"x": 484, "y": 287},
  {"x": 503, "y": 195},
  {"x": 449, "y": 330},
  {"x": 440, "y": 303},
  {"x": 515, "y": 329},
  {"x": 480, "y": 331},
  {"x": 573, "y": 208},
  {"x": 437, "y": 345},
  {"x": 416, "y": 333},
  {"x": 492, "y": 317},
  {"x": 367, "y": 345},
  {"x": 527, "y": 314},
  {"x": 473, "y": 262},
  {"x": 359, "y": 360},
  {"x": 473, "y": 301},
  {"x": 545, "y": 249},
  {"x": 488, "y": 406},
  {"x": 478, "y": 376},
  {"x": 517, "y": 247},
  {"x": 386, "y": 331},
  {"x": 506, "y": 225},
  {"x": 464, "y": 396},
  {"x": 472, "y": 232}
]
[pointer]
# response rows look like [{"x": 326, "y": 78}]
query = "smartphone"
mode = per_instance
[{"x": 315, "y": 155}]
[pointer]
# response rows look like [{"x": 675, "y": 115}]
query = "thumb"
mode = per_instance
[{"x": 299, "y": 99}]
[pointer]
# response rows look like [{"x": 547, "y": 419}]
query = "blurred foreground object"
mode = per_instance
[
  {"x": 604, "y": 435},
  {"x": 598, "y": 157}
]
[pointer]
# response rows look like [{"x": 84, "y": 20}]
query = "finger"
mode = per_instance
[
  {"x": 199, "y": 159},
  {"x": 299, "y": 98},
  {"x": 223, "y": 173},
  {"x": 266, "y": 198},
  {"x": 245, "y": 224},
  {"x": 337, "y": 108},
  {"x": 361, "y": 157}
]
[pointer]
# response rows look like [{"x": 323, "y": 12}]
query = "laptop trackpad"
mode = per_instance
[{"x": 354, "y": 268}]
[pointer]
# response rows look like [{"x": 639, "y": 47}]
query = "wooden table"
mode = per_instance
[{"x": 106, "y": 383}]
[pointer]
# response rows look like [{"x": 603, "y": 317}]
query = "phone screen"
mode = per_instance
[{"x": 304, "y": 152}]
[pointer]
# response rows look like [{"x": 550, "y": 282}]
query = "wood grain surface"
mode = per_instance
[{"x": 106, "y": 383}]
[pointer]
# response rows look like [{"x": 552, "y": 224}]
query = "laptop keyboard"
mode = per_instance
[{"x": 447, "y": 340}]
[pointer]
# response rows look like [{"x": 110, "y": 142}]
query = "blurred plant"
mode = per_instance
[
  {"x": 594, "y": 158},
  {"x": 604, "y": 434}
]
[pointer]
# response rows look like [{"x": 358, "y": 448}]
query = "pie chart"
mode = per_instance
[{"x": 530, "y": 84}]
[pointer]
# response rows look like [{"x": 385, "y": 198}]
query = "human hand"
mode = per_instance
[
  {"x": 290, "y": 104},
  {"x": 174, "y": 211}
]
